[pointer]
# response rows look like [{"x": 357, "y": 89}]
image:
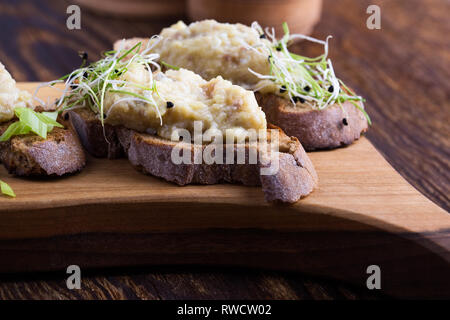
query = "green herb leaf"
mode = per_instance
[
  {"x": 30, "y": 118},
  {"x": 49, "y": 118},
  {"x": 15, "y": 129},
  {"x": 52, "y": 115},
  {"x": 31, "y": 121},
  {"x": 6, "y": 189}
]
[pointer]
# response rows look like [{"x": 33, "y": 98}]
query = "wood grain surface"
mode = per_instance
[{"x": 401, "y": 69}]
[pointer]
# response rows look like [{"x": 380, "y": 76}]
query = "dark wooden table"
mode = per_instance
[{"x": 402, "y": 70}]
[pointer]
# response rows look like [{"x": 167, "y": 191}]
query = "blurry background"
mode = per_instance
[{"x": 402, "y": 70}]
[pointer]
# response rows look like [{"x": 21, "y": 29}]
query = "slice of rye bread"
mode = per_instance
[
  {"x": 316, "y": 129},
  {"x": 30, "y": 155},
  {"x": 151, "y": 154},
  {"x": 92, "y": 134}
]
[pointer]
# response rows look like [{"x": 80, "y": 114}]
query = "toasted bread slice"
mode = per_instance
[
  {"x": 92, "y": 134},
  {"x": 151, "y": 154},
  {"x": 316, "y": 129},
  {"x": 30, "y": 155}
]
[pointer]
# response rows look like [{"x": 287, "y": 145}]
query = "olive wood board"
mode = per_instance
[{"x": 109, "y": 215}]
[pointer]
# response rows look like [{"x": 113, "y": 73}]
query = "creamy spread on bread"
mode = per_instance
[
  {"x": 10, "y": 96},
  {"x": 211, "y": 49},
  {"x": 250, "y": 57},
  {"x": 182, "y": 97}
]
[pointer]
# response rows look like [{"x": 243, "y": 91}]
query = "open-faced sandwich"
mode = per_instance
[
  {"x": 183, "y": 128},
  {"x": 301, "y": 95},
  {"x": 34, "y": 142}
]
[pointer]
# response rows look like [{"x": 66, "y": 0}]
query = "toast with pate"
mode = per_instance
[
  {"x": 58, "y": 154},
  {"x": 150, "y": 116},
  {"x": 151, "y": 154},
  {"x": 303, "y": 121},
  {"x": 27, "y": 154},
  {"x": 301, "y": 95}
]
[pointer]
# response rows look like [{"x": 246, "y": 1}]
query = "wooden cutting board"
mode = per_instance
[{"x": 364, "y": 213}]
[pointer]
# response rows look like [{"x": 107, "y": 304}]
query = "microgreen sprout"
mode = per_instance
[
  {"x": 87, "y": 86},
  {"x": 169, "y": 66},
  {"x": 305, "y": 79}
]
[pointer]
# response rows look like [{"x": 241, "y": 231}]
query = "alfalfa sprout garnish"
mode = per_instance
[
  {"x": 308, "y": 80},
  {"x": 88, "y": 85}
]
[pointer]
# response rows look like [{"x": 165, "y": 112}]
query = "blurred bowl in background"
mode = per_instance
[
  {"x": 301, "y": 15},
  {"x": 136, "y": 8}
]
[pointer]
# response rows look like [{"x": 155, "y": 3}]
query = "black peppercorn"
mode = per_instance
[
  {"x": 279, "y": 48},
  {"x": 307, "y": 88},
  {"x": 169, "y": 104},
  {"x": 330, "y": 89},
  {"x": 344, "y": 121},
  {"x": 297, "y": 99},
  {"x": 263, "y": 36},
  {"x": 283, "y": 89}
]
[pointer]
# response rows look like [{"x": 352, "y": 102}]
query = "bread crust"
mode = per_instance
[
  {"x": 30, "y": 155},
  {"x": 316, "y": 129},
  {"x": 151, "y": 154},
  {"x": 92, "y": 134},
  {"x": 295, "y": 178}
]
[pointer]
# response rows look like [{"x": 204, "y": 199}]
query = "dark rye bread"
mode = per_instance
[
  {"x": 295, "y": 178},
  {"x": 92, "y": 134},
  {"x": 151, "y": 154},
  {"x": 30, "y": 155},
  {"x": 324, "y": 129}
]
